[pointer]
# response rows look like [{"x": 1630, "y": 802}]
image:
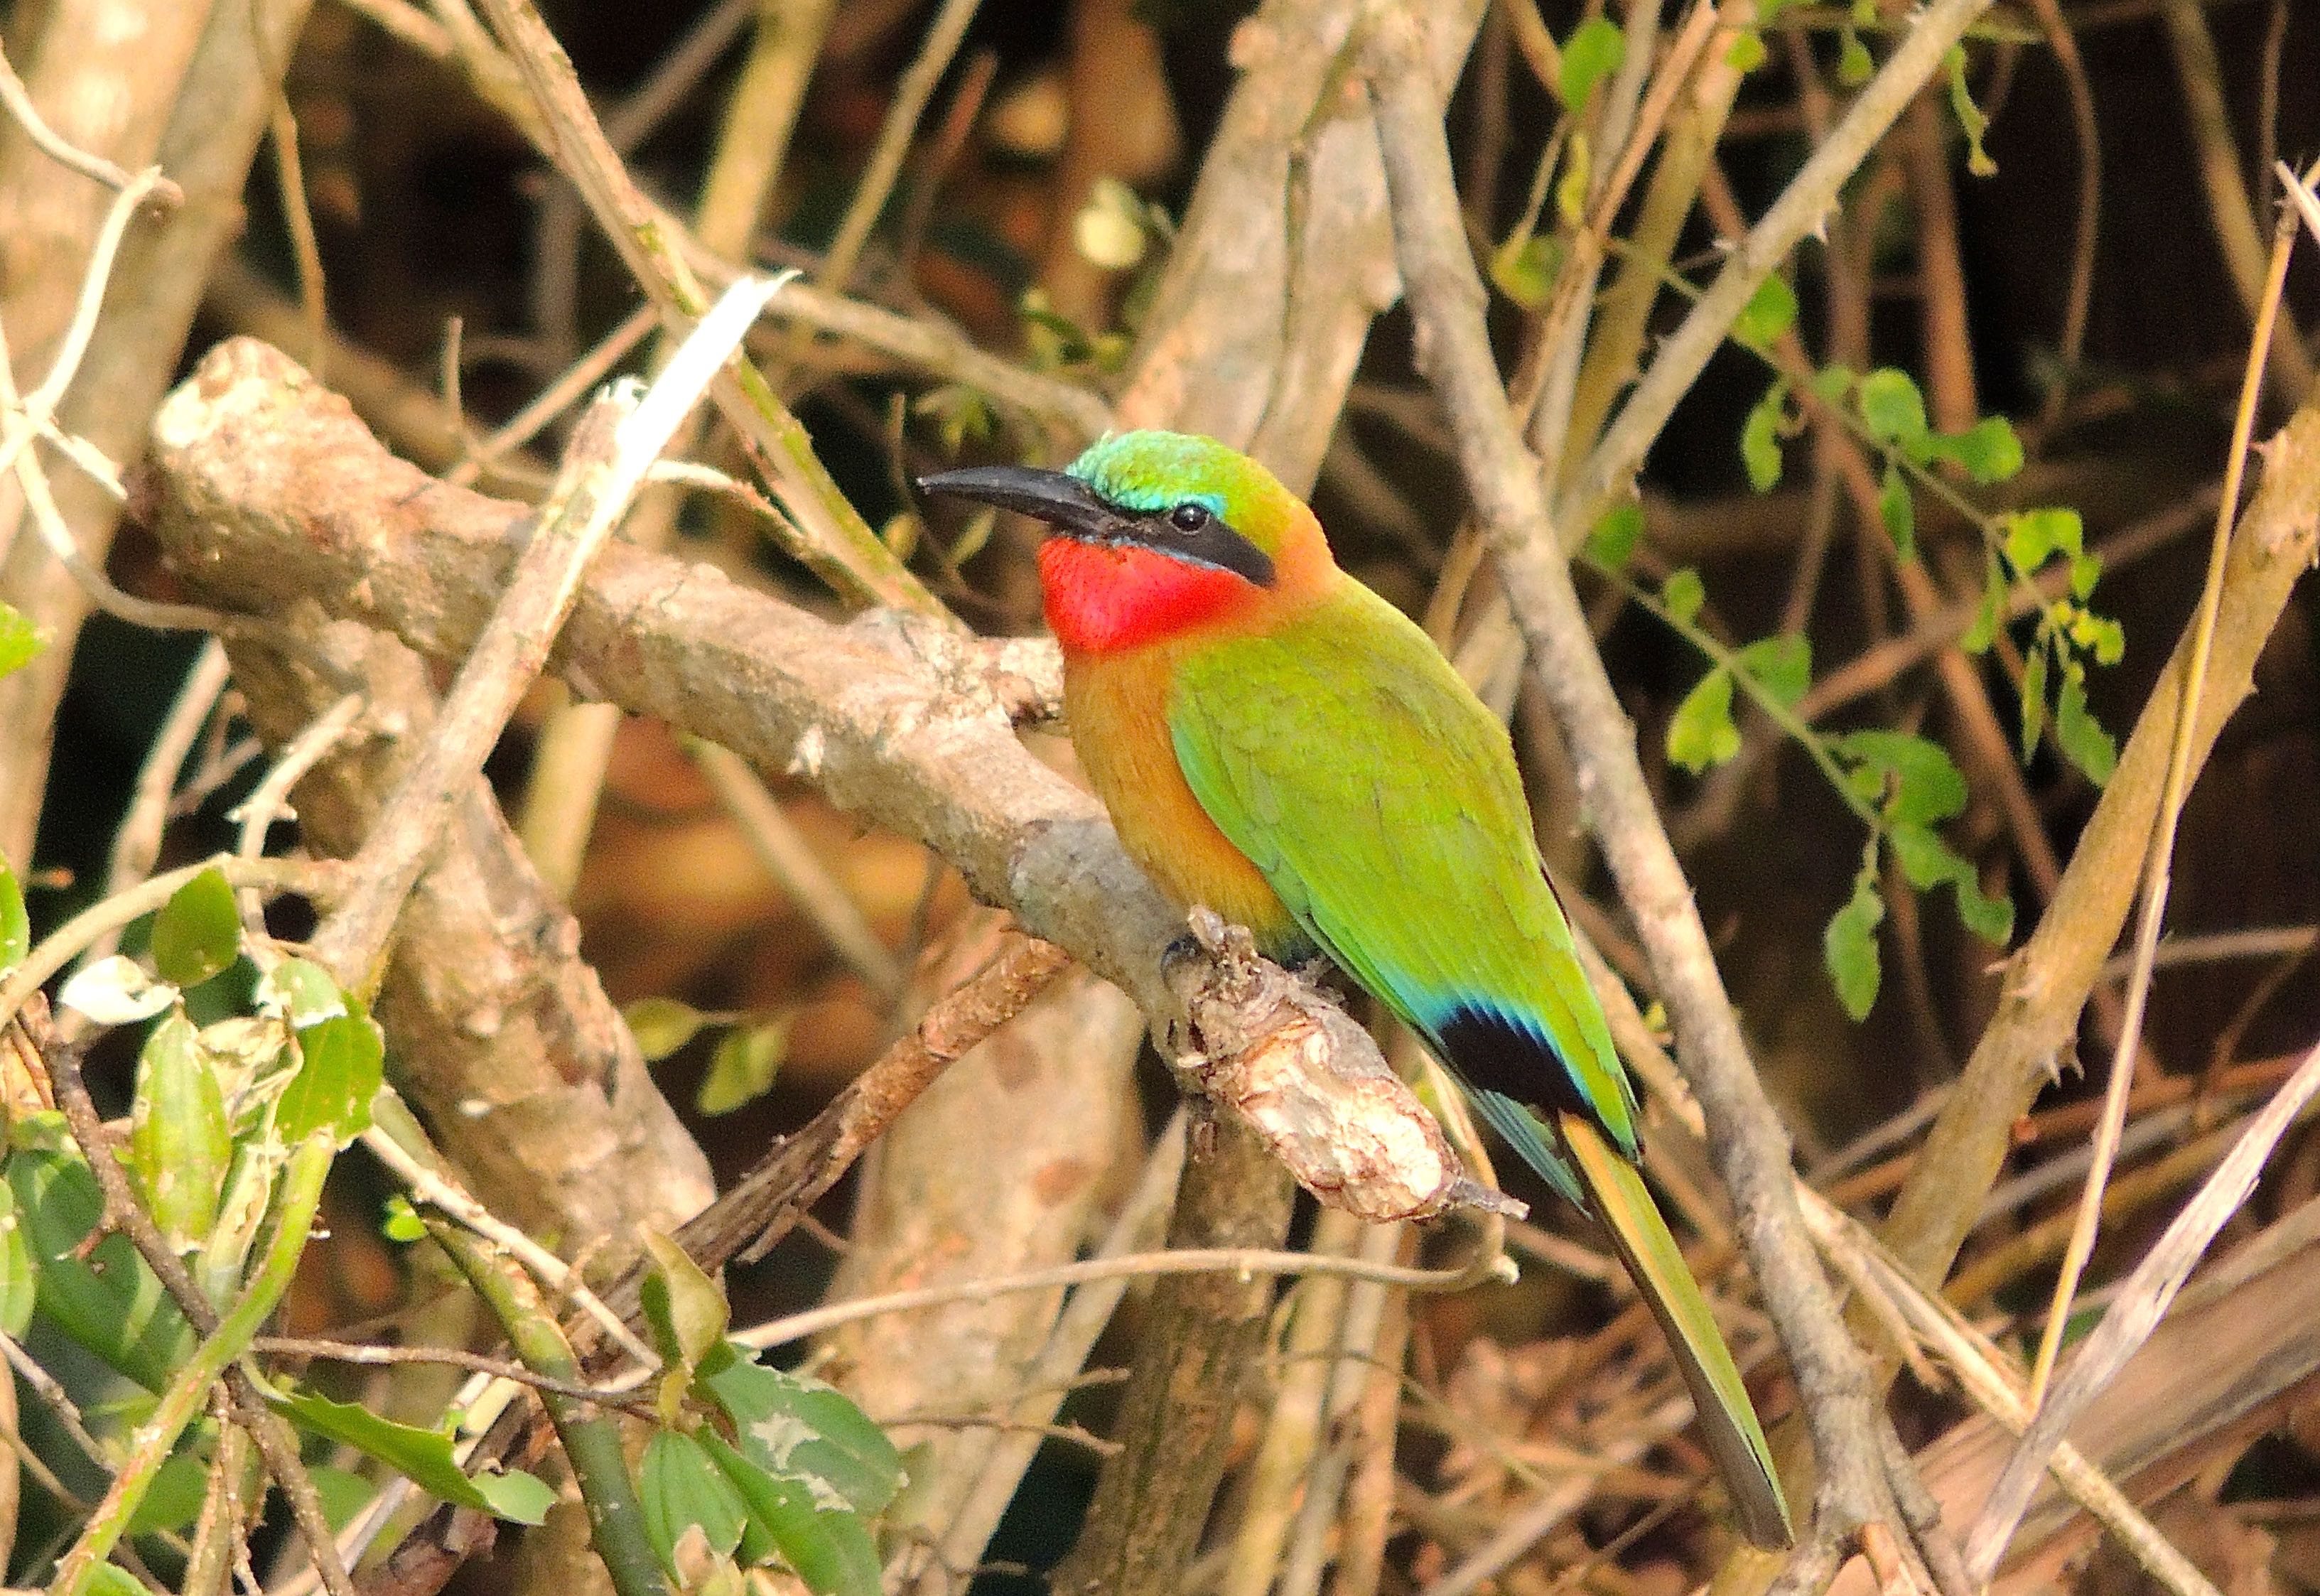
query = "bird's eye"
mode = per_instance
[{"x": 1189, "y": 518}]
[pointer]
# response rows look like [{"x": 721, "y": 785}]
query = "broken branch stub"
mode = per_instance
[{"x": 1271, "y": 1048}]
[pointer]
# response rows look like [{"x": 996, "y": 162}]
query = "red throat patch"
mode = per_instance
[{"x": 1102, "y": 599}]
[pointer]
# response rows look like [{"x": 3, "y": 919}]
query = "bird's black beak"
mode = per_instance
[{"x": 1064, "y": 502}]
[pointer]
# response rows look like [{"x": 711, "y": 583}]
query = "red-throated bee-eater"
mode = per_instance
[{"x": 1276, "y": 741}]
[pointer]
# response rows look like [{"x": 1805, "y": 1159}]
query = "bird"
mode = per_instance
[{"x": 1275, "y": 742}]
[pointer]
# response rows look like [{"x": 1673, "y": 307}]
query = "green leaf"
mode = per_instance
[
  {"x": 110, "y": 1579},
  {"x": 1612, "y": 544},
  {"x": 1855, "y": 65},
  {"x": 1770, "y": 312},
  {"x": 20, "y": 640},
  {"x": 687, "y": 1312},
  {"x": 2034, "y": 699},
  {"x": 662, "y": 1025},
  {"x": 1594, "y": 51},
  {"x": 1925, "y": 859},
  {"x": 797, "y": 1428},
  {"x": 1571, "y": 188},
  {"x": 198, "y": 931},
  {"x": 424, "y": 1456},
  {"x": 1831, "y": 383},
  {"x": 1991, "y": 614},
  {"x": 827, "y": 1547},
  {"x": 402, "y": 1222},
  {"x": 1849, "y": 948},
  {"x": 2032, "y": 535},
  {"x": 2099, "y": 636},
  {"x": 1926, "y": 785},
  {"x": 301, "y": 991},
  {"x": 1891, "y": 407},
  {"x": 1969, "y": 114},
  {"x": 1760, "y": 437},
  {"x": 2082, "y": 738},
  {"x": 1898, "y": 511},
  {"x": 682, "y": 1487},
  {"x": 1682, "y": 595},
  {"x": 1747, "y": 52},
  {"x": 344, "y": 1494},
  {"x": 1701, "y": 734},
  {"x": 1988, "y": 451},
  {"x": 1987, "y": 918},
  {"x": 107, "y": 1301},
  {"x": 19, "y": 1277},
  {"x": 179, "y": 1145},
  {"x": 2085, "y": 570},
  {"x": 16, "y": 927},
  {"x": 174, "y": 1499},
  {"x": 342, "y": 1065},
  {"x": 1781, "y": 665},
  {"x": 747, "y": 1059},
  {"x": 1524, "y": 269}
]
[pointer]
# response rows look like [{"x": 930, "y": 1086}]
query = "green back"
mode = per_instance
[{"x": 1379, "y": 799}]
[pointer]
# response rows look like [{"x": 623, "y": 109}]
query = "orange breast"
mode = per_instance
[{"x": 1117, "y": 704}]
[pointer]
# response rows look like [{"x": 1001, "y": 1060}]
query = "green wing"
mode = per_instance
[{"x": 1379, "y": 800}]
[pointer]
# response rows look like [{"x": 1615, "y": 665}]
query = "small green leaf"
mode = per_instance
[
  {"x": 1595, "y": 50},
  {"x": 1781, "y": 665},
  {"x": 1849, "y": 948},
  {"x": 174, "y": 1499},
  {"x": 1760, "y": 437},
  {"x": 402, "y": 1222},
  {"x": 2082, "y": 738},
  {"x": 1612, "y": 542},
  {"x": 1891, "y": 407},
  {"x": 19, "y": 1276},
  {"x": 2034, "y": 698},
  {"x": 105, "y": 1300},
  {"x": 20, "y": 640},
  {"x": 662, "y": 1025},
  {"x": 1855, "y": 65},
  {"x": 1925, "y": 859},
  {"x": 1831, "y": 383},
  {"x": 1988, "y": 451},
  {"x": 1927, "y": 785},
  {"x": 747, "y": 1059},
  {"x": 1991, "y": 613},
  {"x": 110, "y": 1579},
  {"x": 342, "y": 1065},
  {"x": 1898, "y": 511},
  {"x": 798, "y": 1428},
  {"x": 687, "y": 1312},
  {"x": 827, "y": 1547},
  {"x": 179, "y": 1145},
  {"x": 1770, "y": 312},
  {"x": 301, "y": 991},
  {"x": 424, "y": 1456},
  {"x": 1747, "y": 52},
  {"x": 1701, "y": 734},
  {"x": 1987, "y": 918},
  {"x": 1969, "y": 114},
  {"x": 1524, "y": 269},
  {"x": 1682, "y": 595},
  {"x": 682, "y": 1488},
  {"x": 2085, "y": 570},
  {"x": 16, "y": 927},
  {"x": 344, "y": 1494},
  {"x": 2099, "y": 635},
  {"x": 2034, "y": 535},
  {"x": 198, "y": 931}
]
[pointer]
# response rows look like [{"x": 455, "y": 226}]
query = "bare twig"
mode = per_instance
[
  {"x": 2155, "y": 874},
  {"x": 2139, "y": 1307}
]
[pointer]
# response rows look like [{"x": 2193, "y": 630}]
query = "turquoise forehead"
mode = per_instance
[{"x": 1155, "y": 471}]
